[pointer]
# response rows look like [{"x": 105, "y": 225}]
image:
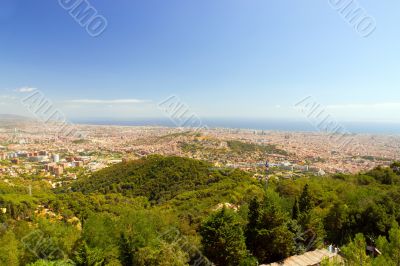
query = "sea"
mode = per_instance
[{"x": 384, "y": 128}]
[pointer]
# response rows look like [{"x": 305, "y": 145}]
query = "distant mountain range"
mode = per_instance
[
  {"x": 10, "y": 120},
  {"x": 11, "y": 117}
]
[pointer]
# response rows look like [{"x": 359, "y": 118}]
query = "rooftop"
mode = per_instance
[{"x": 307, "y": 259}]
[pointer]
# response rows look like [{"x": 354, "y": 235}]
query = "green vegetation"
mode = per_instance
[
  {"x": 373, "y": 158},
  {"x": 178, "y": 211},
  {"x": 205, "y": 147},
  {"x": 223, "y": 238},
  {"x": 157, "y": 178},
  {"x": 81, "y": 141},
  {"x": 243, "y": 147},
  {"x": 267, "y": 232},
  {"x": 179, "y": 134}
]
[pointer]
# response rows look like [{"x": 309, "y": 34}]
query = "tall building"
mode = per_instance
[
  {"x": 56, "y": 158},
  {"x": 58, "y": 170}
]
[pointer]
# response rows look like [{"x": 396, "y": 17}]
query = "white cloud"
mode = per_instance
[
  {"x": 25, "y": 89},
  {"x": 108, "y": 102},
  {"x": 385, "y": 105},
  {"x": 8, "y": 97}
]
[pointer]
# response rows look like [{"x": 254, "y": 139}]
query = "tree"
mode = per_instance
[
  {"x": 305, "y": 202},
  {"x": 254, "y": 216},
  {"x": 223, "y": 239},
  {"x": 355, "y": 252},
  {"x": 86, "y": 256},
  {"x": 295, "y": 210},
  {"x": 81, "y": 254},
  {"x": 396, "y": 167},
  {"x": 336, "y": 223},
  {"x": 313, "y": 232},
  {"x": 390, "y": 249},
  {"x": 394, "y": 238},
  {"x": 52, "y": 263},
  {"x": 385, "y": 176},
  {"x": 163, "y": 254},
  {"x": 332, "y": 262},
  {"x": 267, "y": 233},
  {"x": 125, "y": 250},
  {"x": 9, "y": 249}
]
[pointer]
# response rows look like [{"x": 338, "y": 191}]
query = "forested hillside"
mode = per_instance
[
  {"x": 156, "y": 178},
  {"x": 178, "y": 211}
]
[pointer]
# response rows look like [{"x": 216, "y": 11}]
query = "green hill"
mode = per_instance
[
  {"x": 157, "y": 178},
  {"x": 243, "y": 147}
]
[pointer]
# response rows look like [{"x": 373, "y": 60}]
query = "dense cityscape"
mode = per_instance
[{"x": 34, "y": 148}]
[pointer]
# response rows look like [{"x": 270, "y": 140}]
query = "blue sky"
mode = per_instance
[{"x": 223, "y": 58}]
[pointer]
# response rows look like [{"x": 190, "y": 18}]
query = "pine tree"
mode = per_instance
[
  {"x": 305, "y": 203},
  {"x": 253, "y": 221},
  {"x": 126, "y": 254},
  {"x": 223, "y": 239},
  {"x": 355, "y": 252},
  {"x": 81, "y": 255},
  {"x": 295, "y": 210},
  {"x": 9, "y": 249},
  {"x": 268, "y": 236}
]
